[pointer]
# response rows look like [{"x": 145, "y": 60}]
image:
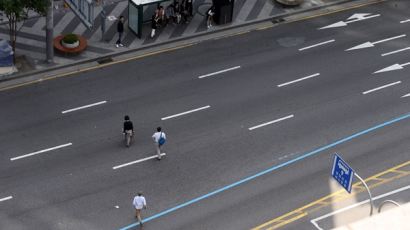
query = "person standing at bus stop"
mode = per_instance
[{"x": 120, "y": 30}]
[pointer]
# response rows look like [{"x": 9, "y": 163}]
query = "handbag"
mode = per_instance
[{"x": 161, "y": 140}]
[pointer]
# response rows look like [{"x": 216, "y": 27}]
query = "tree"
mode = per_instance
[{"x": 17, "y": 11}]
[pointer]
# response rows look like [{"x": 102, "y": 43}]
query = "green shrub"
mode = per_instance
[{"x": 70, "y": 39}]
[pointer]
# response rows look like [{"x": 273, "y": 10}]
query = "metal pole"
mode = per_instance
[
  {"x": 49, "y": 34},
  {"x": 387, "y": 201},
  {"x": 368, "y": 191},
  {"x": 103, "y": 19}
]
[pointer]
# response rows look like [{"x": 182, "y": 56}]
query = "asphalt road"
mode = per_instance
[{"x": 76, "y": 187}]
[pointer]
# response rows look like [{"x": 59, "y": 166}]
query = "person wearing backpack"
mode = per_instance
[{"x": 159, "y": 138}]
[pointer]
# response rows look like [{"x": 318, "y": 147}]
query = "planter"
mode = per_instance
[
  {"x": 74, "y": 47},
  {"x": 290, "y": 2},
  {"x": 70, "y": 46}
]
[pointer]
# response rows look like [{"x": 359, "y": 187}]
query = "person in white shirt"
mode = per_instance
[
  {"x": 159, "y": 138},
  {"x": 139, "y": 203}
]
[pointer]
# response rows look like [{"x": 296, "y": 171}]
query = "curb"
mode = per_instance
[{"x": 115, "y": 54}]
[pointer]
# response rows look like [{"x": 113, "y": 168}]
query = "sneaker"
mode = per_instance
[
  {"x": 122, "y": 45},
  {"x": 116, "y": 45}
]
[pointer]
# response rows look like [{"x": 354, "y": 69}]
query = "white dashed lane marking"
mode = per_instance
[
  {"x": 298, "y": 80},
  {"x": 137, "y": 161},
  {"x": 381, "y": 87},
  {"x": 271, "y": 122},
  {"x": 219, "y": 72},
  {"x": 6, "y": 198},
  {"x": 319, "y": 44},
  {"x": 184, "y": 113},
  {"x": 83, "y": 107},
  {"x": 41, "y": 151}
]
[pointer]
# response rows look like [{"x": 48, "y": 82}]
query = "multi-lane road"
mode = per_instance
[{"x": 252, "y": 122}]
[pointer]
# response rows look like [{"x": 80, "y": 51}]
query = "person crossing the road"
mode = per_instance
[
  {"x": 139, "y": 203},
  {"x": 128, "y": 130},
  {"x": 159, "y": 138}
]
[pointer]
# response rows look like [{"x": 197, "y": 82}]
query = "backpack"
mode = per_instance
[{"x": 161, "y": 140}]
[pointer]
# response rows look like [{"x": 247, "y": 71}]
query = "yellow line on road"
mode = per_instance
[
  {"x": 336, "y": 11},
  {"x": 380, "y": 178},
  {"x": 172, "y": 49},
  {"x": 96, "y": 67}
]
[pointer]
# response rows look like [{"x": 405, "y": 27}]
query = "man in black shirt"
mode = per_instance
[
  {"x": 120, "y": 30},
  {"x": 128, "y": 126},
  {"x": 128, "y": 130}
]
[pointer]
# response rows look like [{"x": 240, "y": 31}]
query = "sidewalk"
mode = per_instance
[{"x": 31, "y": 39}]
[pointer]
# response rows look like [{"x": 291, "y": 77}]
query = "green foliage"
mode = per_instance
[
  {"x": 17, "y": 11},
  {"x": 70, "y": 38}
]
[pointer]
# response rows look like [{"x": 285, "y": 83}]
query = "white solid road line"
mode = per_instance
[
  {"x": 41, "y": 151},
  {"x": 183, "y": 113},
  {"x": 85, "y": 106},
  {"x": 397, "y": 51},
  {"x": 219, "y": 72},
  {"x": 271, "y": 122},
  {"x": 319, "y": 44},
  {"x": 381, "y": 87},
  {"x": 314, "y": 221},
  {"x": 408, "y": 20},
  {"x": 300, "y": 79},
  {"x": 137, "y": 161},
  {"x": 407, "y": 95},
  {"x": 6, "y": 198}
]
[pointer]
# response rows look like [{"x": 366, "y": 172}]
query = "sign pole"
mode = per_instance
[
  {"x": 49, "y": 34},
  {"x": 368, "y": 191},
  {"x": 103, "y": 19}
]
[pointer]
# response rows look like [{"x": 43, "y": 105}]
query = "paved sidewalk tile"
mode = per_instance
[{"x": 31, "y": 40}]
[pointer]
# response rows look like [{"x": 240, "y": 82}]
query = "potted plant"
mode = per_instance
[
  {"x": 70, "y": 41},
  {"x": 290, "y": 2}
]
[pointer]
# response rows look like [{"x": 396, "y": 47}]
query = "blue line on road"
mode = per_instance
[{"x": 270, "y": 170}]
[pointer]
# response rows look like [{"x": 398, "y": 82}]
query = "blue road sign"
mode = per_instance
[{"x": 343, "y": 173}]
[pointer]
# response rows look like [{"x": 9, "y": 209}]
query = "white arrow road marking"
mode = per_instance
[
  {"x": 396, "y": 51},
  {"x": 319, "y": 44},
  {"x": 334, "y": 25},
  {"x": 300, "y": 79},
  {"x": 271, "y": 122},
  {"x": 357, "y": 17},
  {"x": 371, "y": 44},
  {"x": 83, "y": 107},
  {"x": 137, "y": 161},
  {"x": 381, "y": 87},
  {"x": 219, "y": 72},
  {"x": 41, "y": 151},
  {"x": 392, "y": 68},
  {"x": 183, "y": 113},
  {"x": 408, "y": 20},
  {"x": 6, "y": 198},
  {"x": 407, "y": 95},
  {"x": 363, "y": 18}
]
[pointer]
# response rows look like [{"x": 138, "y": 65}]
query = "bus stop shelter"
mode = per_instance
[{"x": 139, "y": 12}]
